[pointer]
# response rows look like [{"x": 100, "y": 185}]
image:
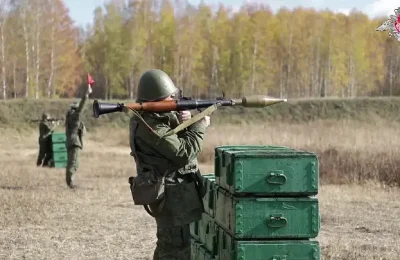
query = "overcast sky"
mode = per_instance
[{"x": 82, "y": 10}]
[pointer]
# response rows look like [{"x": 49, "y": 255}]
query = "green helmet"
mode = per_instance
[
  {"x": 45, "y": 116},
  {"x": 74, "y": 105},
  {"x": 155, "y": 85}
]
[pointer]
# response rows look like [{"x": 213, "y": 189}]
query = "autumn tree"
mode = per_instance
[{"x": 205, "y": 49}]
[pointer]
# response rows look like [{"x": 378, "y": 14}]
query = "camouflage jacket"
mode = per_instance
[
  {"x": 45, "y": 130},
  {"x": 74, "y": 127},
  {"x": 176, "y": 153}
]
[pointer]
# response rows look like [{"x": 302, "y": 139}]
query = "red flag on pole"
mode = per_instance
[{"x": 90, "y": 79}]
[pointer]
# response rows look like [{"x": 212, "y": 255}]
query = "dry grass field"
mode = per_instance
[{"x": 42, "y": 219}]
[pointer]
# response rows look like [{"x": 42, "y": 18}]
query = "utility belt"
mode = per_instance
[{"x": 147, "y": 189}]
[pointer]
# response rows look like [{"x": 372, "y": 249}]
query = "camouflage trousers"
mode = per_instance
[
  {"x": 72, "y": 164},
  {"x": 173, "y": 243}
]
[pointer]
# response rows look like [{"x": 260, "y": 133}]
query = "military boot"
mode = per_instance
[{"x": 38, "y": 162}]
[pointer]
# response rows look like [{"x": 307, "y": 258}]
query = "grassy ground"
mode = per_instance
[{"x": 42, "y": 219}]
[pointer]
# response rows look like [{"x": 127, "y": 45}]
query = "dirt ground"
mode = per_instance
[{"x": 42, "y": 219}]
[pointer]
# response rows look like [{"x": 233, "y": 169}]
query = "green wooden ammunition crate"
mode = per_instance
[
  {"x": 60, "y": 156},
  {"x": 219, "y": 150},
  {"x": 60, "y": 164},
  {"x": 257, "y": 217},
  {"x": 207, "y": 233},
  {"x": 209, "y": 197},
  {"x": 58, "y": 138},
  {"x": 266, "y": 172},
  {"x": 233, "y": 249},
  {"x": 59, "y": 147}
]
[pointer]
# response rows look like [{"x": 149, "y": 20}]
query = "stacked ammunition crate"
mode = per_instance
[
  {"x": 260, "y": 204},
  {"x": 60, "y": 156}
]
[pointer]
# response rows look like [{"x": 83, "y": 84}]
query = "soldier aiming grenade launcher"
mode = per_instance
[{"x": 180, "y": 105}]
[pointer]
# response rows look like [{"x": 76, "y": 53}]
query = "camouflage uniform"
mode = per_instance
[
  {"x": 174, "y": 157},
  {"x": 46, "y": 128},
  {"x": 75, "y": 130}
]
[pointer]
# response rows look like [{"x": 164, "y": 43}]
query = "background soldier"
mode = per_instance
[
  {"x": 75, "y": 130},
  {"x": 46, "y": 128},
  {"x": 173, "y": 157}
]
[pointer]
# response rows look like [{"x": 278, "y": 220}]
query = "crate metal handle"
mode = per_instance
[
  {"x": 274, "y": 177},
  {"x": 277, "y": 221}
]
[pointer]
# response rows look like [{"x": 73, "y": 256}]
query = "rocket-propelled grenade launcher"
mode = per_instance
[
  {"x": 180, "y": 105},
  {"x": 183, "y": 104}
]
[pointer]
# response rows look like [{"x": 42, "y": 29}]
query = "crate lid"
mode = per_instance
[
  {"x": 246, "y": 147},
  {"x": 277, "y": 153}
]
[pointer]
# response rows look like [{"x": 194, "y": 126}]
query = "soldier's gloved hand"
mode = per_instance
[
  {"x": 58, "y": 122},
  {"x": 184, "y": 115},
  {"x": 89, "y": 91}
]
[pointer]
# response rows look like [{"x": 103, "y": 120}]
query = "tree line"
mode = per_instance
[{"x": 291, "y": 53}]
